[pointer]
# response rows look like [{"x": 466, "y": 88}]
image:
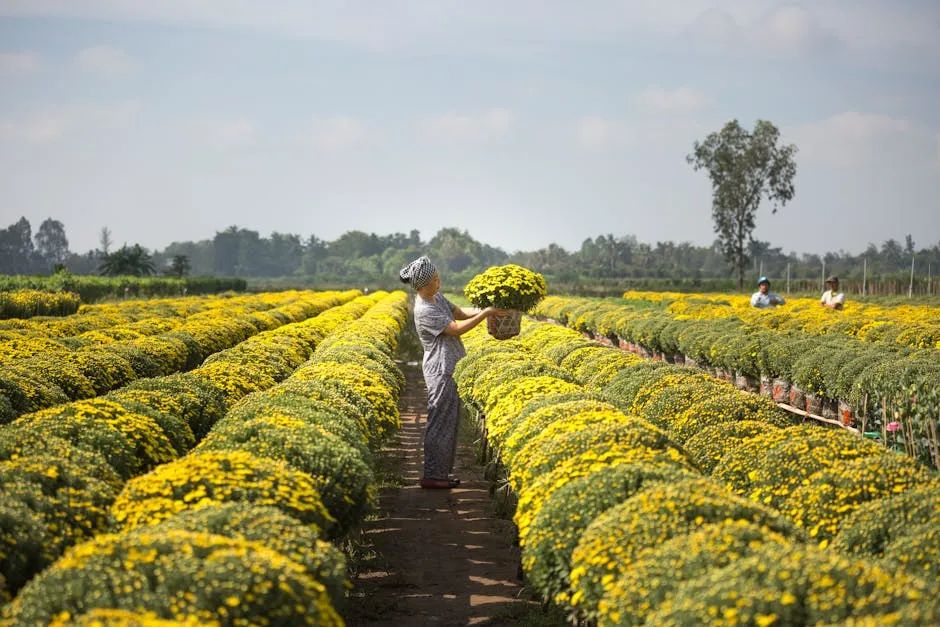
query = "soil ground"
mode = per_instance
[{"x": 437, "y": 557}]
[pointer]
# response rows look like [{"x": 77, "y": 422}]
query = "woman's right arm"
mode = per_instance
[{"x": 457, "y": 328}]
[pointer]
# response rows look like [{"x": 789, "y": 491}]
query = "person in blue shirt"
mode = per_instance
[{"x": 763, "y": 297}]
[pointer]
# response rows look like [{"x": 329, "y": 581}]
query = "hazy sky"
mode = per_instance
[{"x": 523, "y": 122}]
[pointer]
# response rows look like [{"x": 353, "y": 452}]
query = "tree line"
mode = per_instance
[{"x": 357, "y": 257}]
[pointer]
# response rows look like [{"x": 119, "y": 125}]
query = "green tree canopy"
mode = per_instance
[{"x": 745, "y": 168}]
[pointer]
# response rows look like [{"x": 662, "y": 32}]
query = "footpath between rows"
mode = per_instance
[{"x": 437, "y": 557}]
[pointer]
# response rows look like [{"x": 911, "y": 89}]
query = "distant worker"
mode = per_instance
[
  {"x": 832, "y": 297},
  {"x": 763, "y": 297}
]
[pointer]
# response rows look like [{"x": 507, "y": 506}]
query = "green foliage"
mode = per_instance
[
  {"x": 92, "y": 288},
  {"x": 175, "y": 573},
  {"x": 790, "y": 585},
  {"x": 744, "y": 168},
  {"x": 559, "y": 523},
  {"x": 660, "y": 570},
  {"x": 273, "y": 529},
  {"x": 341, "y": 475}
]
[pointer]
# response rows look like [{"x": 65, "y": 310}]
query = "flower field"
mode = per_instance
[
  {"x": 209, "y": 494},
  {"x": 647, "y": 492},
  {"x": 200, "y": 460},
  {"x": 29, "y": 303},
  {"x": 872, "y": 367},
  {"x": 91, "y": 288},
  {"x": 50, "y": 361}
]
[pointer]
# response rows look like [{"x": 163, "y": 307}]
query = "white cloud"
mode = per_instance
[
  {"x": 851, "y": 139},
  {"x": 788, "y": 30},
  {"x": 226, "y": 131},
  {"x": 792, "y": 30},
  {"x": 105, "y": 61},
  {"x": 714, "y": 28},
  {"x": 481, "y": 127},
  {"x": 19, "y": 63},
  {"x": 680, "y": 99},
  {"x": 47, "y": 125},
  {"x": 597, "y": 133},
  {"x": 337, "y": 133}
]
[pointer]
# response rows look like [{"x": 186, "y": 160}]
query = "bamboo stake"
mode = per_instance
[
  {"x": 884, "y": 421},
  {"x": 788, "y": 277}
]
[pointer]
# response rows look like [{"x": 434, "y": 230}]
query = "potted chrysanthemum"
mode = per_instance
[{"x": 509, "y": 287}]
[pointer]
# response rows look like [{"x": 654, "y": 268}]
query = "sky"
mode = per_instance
[{"x": 522, "y": 122}]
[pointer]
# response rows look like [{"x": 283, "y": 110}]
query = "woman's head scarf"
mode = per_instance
[{"x": 418, "y": 273}]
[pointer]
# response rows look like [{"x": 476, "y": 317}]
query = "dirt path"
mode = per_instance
[{"x": 438, "y": 557}]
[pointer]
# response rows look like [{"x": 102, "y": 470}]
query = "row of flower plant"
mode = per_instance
[
  {"x": 911, "y": 325},
  {"x": 883, "y": 388},
  {"x": 92, "y": 288},
  {"x": 237, "y": 531},
  {"x": 49, "y": 373},
  {"x": 125, "y": 319},
  {"x": 30, "y": 303},
  {"x": 63, "y": 467},
  {"x": 621, "y": 470}
]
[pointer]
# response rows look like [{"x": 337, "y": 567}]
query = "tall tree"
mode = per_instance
[
  {"x": 179, "y": 266},
  {"x": 16, "y": 247},
  {"x": 51, "y": 243},
  {"x": 104, "y": 240},
  {"x": 744, "y": 167},
  {"x": 134, "y": 261}
]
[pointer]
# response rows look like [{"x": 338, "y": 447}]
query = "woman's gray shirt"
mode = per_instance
[{"x": 441, "y": 352}]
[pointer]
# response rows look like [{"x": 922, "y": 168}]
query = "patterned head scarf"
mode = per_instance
[{"x": 418, "y": 273}]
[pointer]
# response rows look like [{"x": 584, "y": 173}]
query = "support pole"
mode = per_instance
[
  {"x": 864, "y": 274},
  {"x": 910, "y": 286},
  {"x": 788, "y": 277},
  {"x": 823, "y": 280}
]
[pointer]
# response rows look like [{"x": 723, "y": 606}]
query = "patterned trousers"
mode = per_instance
[{"x": 440, "y": 435}]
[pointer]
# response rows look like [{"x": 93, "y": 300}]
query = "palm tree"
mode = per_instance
[
  {"x": 179, "y": 266},
  {"x": 134, "y": 261}
]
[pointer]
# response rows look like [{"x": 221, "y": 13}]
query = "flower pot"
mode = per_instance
[
  {"x": 679, "y": 359},
  {"x": 724, "y": 374},
  {"x": 657, "y": 356},
  {"x": 830, "y": 409},
  {"x": 766, "y": 386},
  {"x": 846, "y": 413},
  {"x": 691, "y": 363},
  {"x": 814, "y": 404},
  {"x": 504, "y": 326},
  {"x": 797, "y": 397},
  {"x": 624, "y": 345},
  {"x": 780, "y": 390}
]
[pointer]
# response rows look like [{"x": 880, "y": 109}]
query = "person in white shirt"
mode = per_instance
[
  {"x": 763, "y": 297},
  {"x": 832, "y": 297}
]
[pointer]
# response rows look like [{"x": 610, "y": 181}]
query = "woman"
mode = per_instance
[{"x": 440, "y": 324}]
